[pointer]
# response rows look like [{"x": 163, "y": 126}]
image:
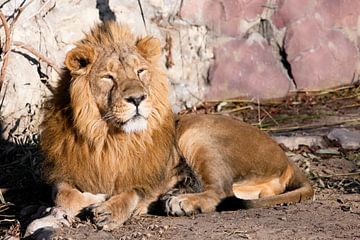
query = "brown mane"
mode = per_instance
[{"x": 78, "y": 145}]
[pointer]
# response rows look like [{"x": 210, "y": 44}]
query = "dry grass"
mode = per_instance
[{"x": 302, "y": 110}]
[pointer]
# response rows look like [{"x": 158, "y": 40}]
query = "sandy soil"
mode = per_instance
[
  {"x": 334, "y": 214},
  {"x": 331, "y": 216}
]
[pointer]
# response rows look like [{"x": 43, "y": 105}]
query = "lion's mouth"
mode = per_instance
[
  {"x": 132, "y": 123},
  {"x": 135, "y": 124}
]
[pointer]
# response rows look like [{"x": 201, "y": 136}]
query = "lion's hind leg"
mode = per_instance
[{"x": 254, "y": 189}]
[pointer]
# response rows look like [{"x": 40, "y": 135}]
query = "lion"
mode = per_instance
[{"x": 114, "y": 148}]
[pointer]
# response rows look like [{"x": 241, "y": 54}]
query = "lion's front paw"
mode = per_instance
[
  {"x": 103, "y": 217},
  {"x": 180, "y": 206},
  {"x": 95, "y": 198}
]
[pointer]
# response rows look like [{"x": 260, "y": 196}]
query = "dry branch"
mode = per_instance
[
  {"x": 19, "y": 11},
  {"x": 5, "y": 49},
  {"x": 341, "y": 175},
  {"x": 349, "y": 122},
  {"x": 38, "y": 55}
]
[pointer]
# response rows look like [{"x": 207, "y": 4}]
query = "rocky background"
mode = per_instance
[{"x": 212, "y": 49}]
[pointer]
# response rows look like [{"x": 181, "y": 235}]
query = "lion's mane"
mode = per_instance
[{"x": 81, "y": 149}]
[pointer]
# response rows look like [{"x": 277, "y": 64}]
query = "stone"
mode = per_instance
[
  {"x": 293, "y": 142},
  {"x": 222, "y": 16},
  {"x": 348, "y": 139},
  {"x": 49, "y": 27},
  {"x": 289, "y": 11},
  {"x": 246, "y": 67},
  {"x": 338, "y": 13},
  {"x": 331, "y": 60},
  {"x": 320, "y": 55}
]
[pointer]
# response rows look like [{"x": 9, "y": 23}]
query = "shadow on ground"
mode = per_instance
[{"x": 22, "y": 189}]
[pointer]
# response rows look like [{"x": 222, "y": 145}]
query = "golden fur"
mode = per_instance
[{"x": 112, "y": 144}]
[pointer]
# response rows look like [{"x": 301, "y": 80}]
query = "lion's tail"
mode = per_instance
[{"x": 298, "y": 190}]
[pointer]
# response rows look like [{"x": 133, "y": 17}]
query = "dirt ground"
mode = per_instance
[
  {"x": 325, "y": 218},
  {"x": 334, "y": 214}
]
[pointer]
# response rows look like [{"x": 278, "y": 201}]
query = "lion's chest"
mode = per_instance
[{"x": 114, "y": 170}]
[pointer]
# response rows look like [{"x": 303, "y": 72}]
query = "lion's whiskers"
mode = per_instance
[{"x": 108, "y": 116}]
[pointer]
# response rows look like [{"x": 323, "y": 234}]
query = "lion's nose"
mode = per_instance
[{"x": 136, "y": 100}]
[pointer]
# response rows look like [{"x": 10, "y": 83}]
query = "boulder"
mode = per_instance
[
  {"x": 246, "y": 67},
  {"x": 293, "y": 142},
  {"x": 348, "y": 139},
  {"x": 320, "y": 41},
  {"x": 223, "y": 16}
]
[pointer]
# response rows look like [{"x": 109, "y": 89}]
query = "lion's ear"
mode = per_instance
[
  {"x": 149, "y": 47},
  {"x": 79, "y": 57}
]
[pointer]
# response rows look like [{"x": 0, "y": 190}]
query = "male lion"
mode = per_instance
[{"x": 113, "y": 146}]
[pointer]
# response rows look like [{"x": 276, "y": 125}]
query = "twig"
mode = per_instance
[
  {"x": 6, "y": 49},
  {"x": 2, "y": 199},
  {"x": 343, "y": 98},
  {"x": 19, "y": 10},
  {"x": 38, "y": 54},
  {"x": 8, "y": 220},
  {"x": 267, "y": 113},
  {"x": 142, "y": 15},
  {"x": 237, "y": 109},
  {"x": 168, "y": 47},
  {"x": 231, "y": 101},
  {"x": 259, "y": 115},
  {"x": 351, "y": 106},
  {"x": 40, "y": 9},
  {"x": 313, "y": 126},
  {"x": 340, "y": 175}
]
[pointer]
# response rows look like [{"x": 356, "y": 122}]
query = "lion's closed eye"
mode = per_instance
[
  {"x": 108, "y": 77},
  {"x": 142, "y": 74},
  {"x": 141, "y": 71}
]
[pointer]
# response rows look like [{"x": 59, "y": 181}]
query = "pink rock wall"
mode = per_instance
[
  {"x": 224, "y": 17},
  {"x": 238, "y": 71},
  {"x": 310, "y": 44}
]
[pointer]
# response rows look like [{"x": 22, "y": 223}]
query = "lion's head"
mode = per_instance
[{"x": 117, "y": 79}]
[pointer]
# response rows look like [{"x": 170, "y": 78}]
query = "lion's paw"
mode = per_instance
[
  {"x": 95, "y": 198},
  {"x": 102, "y": 217},
  {"x": 180, "y": 206}
]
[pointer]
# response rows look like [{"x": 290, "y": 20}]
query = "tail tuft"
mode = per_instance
[{"x": 232, "y": 204}]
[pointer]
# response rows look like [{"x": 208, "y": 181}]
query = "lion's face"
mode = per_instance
[
  {"x": 119, "y": 82},
  {"x": 119, "y": 78}
]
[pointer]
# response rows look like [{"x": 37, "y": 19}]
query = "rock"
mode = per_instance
[
  {"x": 289, "y": 11},
  {"x": 328, "y": 151},
  {"x": 49, "y": 27},
  {"x": 224, "y": 17},
  {"x": 293, "y": 142},
  {"x": 348, "y": 139},
  {"x": 338, "y": 13},
  {"x": 192, "y": 57},
  {"x": 320, "y": 45},
  {"x": 320, "y": 58},
  {"x": 246, "y": 67}
]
